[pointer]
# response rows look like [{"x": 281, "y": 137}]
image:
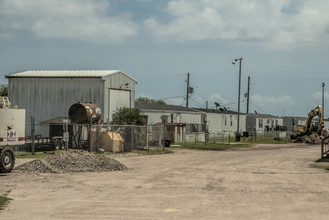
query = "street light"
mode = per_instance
[{"x": 237, "y": 137}]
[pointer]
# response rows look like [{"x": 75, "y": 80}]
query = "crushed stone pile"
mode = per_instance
[
  {"x": 308, "y": 139},
  {"x": 71, "y": 161}
]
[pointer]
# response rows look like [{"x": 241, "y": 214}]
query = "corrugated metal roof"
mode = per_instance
[{"x": 65, "y": 74}]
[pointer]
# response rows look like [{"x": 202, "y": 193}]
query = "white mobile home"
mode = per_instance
[
  {"x": 262, "y": 122},
  {"x": 224, "y": 122}
]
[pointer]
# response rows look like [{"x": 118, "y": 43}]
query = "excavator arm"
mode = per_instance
[{"x": 317, "y": 111}]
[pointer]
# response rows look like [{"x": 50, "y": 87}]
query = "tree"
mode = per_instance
[
  {"x": 4, "y": 90},
  {"x": 150, "y": 101},
  {"x": 128, "y": 116}
]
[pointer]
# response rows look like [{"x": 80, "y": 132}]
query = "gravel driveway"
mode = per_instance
[{"x": 263, "y": 182}]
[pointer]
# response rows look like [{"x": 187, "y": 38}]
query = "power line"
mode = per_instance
[
  {"x": 291, "y": 79},
  {"x": 199, "y": 90},
  {"x": 259, "y": 108},
  {"x": 196, "y": 102}
]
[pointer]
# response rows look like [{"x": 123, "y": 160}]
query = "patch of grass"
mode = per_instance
[
  {"x": 211, "y": 146},
  {"x": 4, "y": 200},
  {"x": 157, "y": 150},
  {"x": 35, "y": 155},
  {"x": 264, "y": 140},
  {"x": 152, "y": 151},
  {"x": 323, "y": 163},
  {"x": 322, "y": 160}
]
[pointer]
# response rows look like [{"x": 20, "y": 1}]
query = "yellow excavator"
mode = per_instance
[{"x": 308, "y": 127}]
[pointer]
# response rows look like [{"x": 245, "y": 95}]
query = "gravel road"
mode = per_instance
[{"x": 263, "y": 182}]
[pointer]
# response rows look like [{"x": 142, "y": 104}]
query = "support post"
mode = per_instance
[
  {"x": 90, "y": 134},
  {"x": 238, "y": 127},
  {"x": 66, "y": 130},
  {"x": 32, "y": 135},
  {"x": 163, "y": 117}
]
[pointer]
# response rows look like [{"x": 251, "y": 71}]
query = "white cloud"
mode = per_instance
[
  {"x": 272, "y": 101},
  {"x": 217, "y": 98},
  {"x": 317, "y": 96},
  {"x": 85, "y": 20},
  {"x": 271, "y": 21}
]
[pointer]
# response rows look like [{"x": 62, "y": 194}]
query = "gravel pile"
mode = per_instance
[
  {"x": 71, "y": 161},
  {"x": 309, "y": 139}
]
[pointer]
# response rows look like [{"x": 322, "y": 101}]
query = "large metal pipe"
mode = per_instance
[{"x": 82, "y": 113}]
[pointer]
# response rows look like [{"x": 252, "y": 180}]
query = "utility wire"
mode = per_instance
[
  {"x": 196, "y": 102},
  {"x": 259, "y": 108},
  {"x": 199, "y": 90}
]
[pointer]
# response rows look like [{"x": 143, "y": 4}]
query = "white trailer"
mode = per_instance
[
  {"x": 12, "y": 127},
  {"x": 12, "y": 134}
]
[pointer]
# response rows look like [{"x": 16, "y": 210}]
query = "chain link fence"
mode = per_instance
[{"x": 118, "y": 138}]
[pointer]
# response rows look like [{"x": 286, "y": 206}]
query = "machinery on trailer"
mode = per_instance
[{"x": 12, "y": 133}]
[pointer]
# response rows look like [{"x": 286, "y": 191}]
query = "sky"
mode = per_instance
[{"x": 284, "y": 46}]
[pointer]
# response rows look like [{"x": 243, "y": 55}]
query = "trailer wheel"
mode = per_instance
[{"x": 7, "y": 160}]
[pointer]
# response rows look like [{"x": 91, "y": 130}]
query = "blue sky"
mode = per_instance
[{"x": 284, "y": 45}]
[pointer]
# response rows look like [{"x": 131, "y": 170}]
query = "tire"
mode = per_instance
[{"x": 7, "y": 160}]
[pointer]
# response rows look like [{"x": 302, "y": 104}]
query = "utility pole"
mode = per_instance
[
  {"x": 187, "y": 88},
  {"x": 323, "y": 100},
  {"x": 237, "y": 137},
  {"x": 238, "y": 131},
  {"x": 248, "y": 94}
]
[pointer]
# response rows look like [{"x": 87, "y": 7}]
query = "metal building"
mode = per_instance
[{"x": 49, "y": 94}]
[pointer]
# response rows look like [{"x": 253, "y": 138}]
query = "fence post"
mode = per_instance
[
  {"x": 147, "y": 138},
  {"x": 163, "y": 136},
  {"x": 67, "y": 130},
  {"x": 206, "y": 137},
  {"x": 131, "y": 137},
  {"x": 32, "y": 135},
  {"x": 322, "y": 147},
  {"x": 112, "y": 133},
  {"x": 90, "y": 134}
]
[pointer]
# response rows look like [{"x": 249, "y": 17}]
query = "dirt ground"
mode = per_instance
[{"x": 263, "y": 182}]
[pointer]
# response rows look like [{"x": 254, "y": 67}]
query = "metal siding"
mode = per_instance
[
  {"x": 191, "y": 118},
  {"x": 48, "y": 98},
  {"x": 117, "y": 99},
  {"x": 215, "y": 122},
  {"x": 188, "y": 118},
  {"x": 114, "y": 82}
]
